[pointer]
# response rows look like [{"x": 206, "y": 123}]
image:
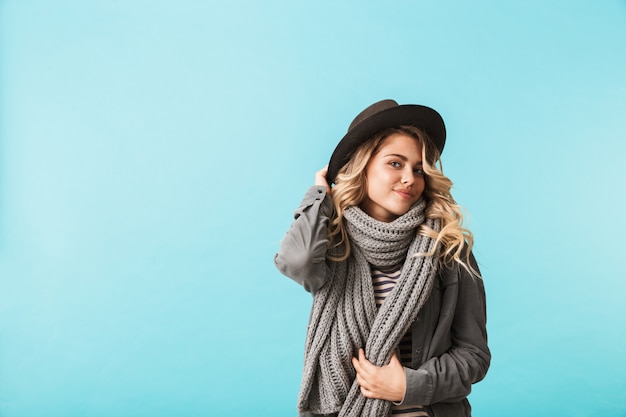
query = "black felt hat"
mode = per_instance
[{"x": 379, "y": 116}]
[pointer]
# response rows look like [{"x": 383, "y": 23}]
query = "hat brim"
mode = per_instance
[{"x": 406, "y": 114}]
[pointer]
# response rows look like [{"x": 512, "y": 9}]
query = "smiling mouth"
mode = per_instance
[{"x": 404, "y": 194}]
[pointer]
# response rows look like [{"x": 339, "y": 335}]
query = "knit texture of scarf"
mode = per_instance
[{"x": 344, "y": 316}]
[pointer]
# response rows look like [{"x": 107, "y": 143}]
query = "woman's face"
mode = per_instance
[{"x": 395, "y": 180}]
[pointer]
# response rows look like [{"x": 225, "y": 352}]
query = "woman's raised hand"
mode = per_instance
[{"x": 320, "y": 179}]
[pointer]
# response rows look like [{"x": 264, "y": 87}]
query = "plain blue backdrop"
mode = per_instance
[{"x": 152, "y": 154}]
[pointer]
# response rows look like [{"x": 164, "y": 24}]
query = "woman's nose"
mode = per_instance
[{"x": 407, "y": 177}]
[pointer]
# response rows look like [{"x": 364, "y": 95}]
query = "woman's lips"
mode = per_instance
[{"x": 404, "y": 193}]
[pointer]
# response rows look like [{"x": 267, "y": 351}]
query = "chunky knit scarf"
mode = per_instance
[{"x": 344, "y": 316}]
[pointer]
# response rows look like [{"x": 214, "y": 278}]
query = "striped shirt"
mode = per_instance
[{"x": 383, "y": 281}]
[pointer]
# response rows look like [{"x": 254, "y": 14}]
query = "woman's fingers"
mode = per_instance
[
  {"x": 385, "y": 382},
  {"x": 320, "y": 178}
]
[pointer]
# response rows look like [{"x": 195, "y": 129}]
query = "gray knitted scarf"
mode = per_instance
[{"x": 344, "y": 316}]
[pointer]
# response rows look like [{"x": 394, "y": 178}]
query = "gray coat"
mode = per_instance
[{"x": 449, "y": 335}]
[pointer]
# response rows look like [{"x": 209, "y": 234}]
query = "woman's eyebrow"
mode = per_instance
[{"x": 404, "y": 158}]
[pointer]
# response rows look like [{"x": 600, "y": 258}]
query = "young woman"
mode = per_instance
[{"x": 398, "y": 320}]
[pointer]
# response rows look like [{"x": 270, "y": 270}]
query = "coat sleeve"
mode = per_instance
[
  {"x": 448, "y": 377},
  {"x": 302, "y": 252}
]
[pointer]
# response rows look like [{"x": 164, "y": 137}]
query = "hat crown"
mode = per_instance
[{"x": 372, "y": 110}]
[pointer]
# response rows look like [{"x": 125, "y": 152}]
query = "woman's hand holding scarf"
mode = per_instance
[{"x": 383, "y": 382}]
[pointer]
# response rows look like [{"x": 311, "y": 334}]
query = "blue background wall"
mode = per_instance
[{"x": 152, "y": 152}]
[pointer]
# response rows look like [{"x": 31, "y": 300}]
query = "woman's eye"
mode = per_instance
[
  {"x": 419, "y": 171},
  {"x": 395, "y": 164}
]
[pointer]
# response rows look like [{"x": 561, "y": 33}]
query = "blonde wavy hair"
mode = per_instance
[{"x": 350, "y": 190}]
